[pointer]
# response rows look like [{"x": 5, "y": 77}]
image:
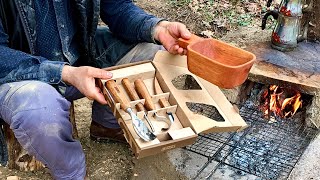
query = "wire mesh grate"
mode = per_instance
[
  {"x": 206, "y": 110},
  {"x": 205, "y": 147},
  {"x": 264, "y": 149}
]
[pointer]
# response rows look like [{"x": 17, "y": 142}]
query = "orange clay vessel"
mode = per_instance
[{"x": 217, "y": 62}]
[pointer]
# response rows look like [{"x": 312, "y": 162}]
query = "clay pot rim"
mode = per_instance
[{"x": 229, "y": 66}]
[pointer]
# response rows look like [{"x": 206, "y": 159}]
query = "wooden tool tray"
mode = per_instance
[{"x": 187, "y": 124}]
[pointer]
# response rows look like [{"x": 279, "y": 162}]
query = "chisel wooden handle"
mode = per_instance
[
  {"x": 132, "y": 93},
  {"x": 162, "y": 101},
  {"x": 119, "y": 97},
  {"x": 144, "y": 93}
]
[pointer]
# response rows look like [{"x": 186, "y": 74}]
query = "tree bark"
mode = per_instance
[
  {"x": 18, "y": 158},
  {"x": 313, "y": 16}
]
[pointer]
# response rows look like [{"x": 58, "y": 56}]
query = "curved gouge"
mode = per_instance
[
  {"x": 144, "y": 93},
  {"x": 134, "y": 96},
  {"x": 138, "y": 125},
  {"x": 162, "y": 101}
]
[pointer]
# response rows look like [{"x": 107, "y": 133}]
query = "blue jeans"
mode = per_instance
[{"x": 39, "y": 115}]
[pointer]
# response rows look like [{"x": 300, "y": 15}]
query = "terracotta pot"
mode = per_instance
[{"x": 217, "y": 62}]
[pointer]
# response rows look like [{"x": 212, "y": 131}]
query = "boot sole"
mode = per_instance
[{"x": 104, "y": 139}]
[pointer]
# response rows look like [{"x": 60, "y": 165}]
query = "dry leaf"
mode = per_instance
[{"x": 13, "y": 178}]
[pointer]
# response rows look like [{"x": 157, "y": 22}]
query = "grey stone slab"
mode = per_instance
[
  {"x": 186, "y": 162},
  {"x": 308, "y": 167},
  {"x": 229, "y": 173}
]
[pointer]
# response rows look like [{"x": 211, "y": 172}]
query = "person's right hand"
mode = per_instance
[
  {"x": 168, "y": 34},
  {"x": 83, "y": 78}
]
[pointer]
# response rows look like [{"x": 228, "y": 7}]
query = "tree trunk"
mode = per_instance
[
  {"x": 18, "y": 158},
  {"x": 313, "y": 16}
]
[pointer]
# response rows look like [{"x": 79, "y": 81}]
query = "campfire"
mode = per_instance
[{"x": 282, "y": 102}]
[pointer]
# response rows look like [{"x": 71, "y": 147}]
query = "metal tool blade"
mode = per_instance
[
  {"x": 206, "y": 110},
  {"x": 149, "y": 122},
  {"x": 170, "y": 119},
  {"x": 141, "y": 129}
]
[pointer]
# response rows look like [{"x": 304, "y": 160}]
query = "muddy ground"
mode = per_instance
[{"x": 114, "y": 160}]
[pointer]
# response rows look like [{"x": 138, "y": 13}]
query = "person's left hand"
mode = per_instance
[{"x": 167, "y": 33}]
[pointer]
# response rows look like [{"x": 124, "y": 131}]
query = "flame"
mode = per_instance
[
  {"x": 274, "y": 100},
  {"x": 295, "y": 102}
]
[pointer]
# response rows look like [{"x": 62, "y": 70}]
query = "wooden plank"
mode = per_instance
[{"x": 300, "y": 67}]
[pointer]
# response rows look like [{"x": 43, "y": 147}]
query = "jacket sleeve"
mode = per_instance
[
  {"x": 17, "y": 66},
  {"x": 128, "y": 21}
]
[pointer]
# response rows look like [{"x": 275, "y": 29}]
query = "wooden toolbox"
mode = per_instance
[{"x": 185, "y": 104}]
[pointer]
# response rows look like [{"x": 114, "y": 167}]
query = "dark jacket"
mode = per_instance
[
  {"x": 18, "y": 20},
  {"x": 18, "y": 32}
]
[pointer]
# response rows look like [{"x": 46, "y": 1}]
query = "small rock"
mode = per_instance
[
  {"x": 207, "y": 33},
  {"x": 207, "y": 24},
  {"x": 13, "y": 178},
  {"x": 122, "y": 157},
  {"x": 135, "y": 174}
]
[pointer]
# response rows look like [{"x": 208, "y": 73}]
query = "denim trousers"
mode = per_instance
[{"x": 39, "y": 115}]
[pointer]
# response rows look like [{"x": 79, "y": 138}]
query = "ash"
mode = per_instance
[
  {"x": 261, "y": 158},
  {"x": 265, "y": 150}
]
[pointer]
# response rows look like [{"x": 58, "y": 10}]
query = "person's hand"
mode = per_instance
[
  {"x": 83, "y": 78},
  {"x": 168, "y": 33}
]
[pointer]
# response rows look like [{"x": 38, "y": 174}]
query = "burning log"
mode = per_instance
[{"x": 280, "y": 101}]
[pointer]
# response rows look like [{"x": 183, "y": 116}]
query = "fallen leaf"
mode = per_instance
[
  {"x": 13, "y": 178},
  {"x": 207, "y": 33}
]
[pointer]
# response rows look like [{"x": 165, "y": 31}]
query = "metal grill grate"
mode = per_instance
[
  {"x": 267, "y": 150},
  {"x": 206, "y": 110}
]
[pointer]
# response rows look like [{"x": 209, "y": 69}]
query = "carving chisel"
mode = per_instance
[
  {"x": 144, "y": 93},
  {"x": 138, "y": 125},
  {"x": 134, "y": 96}
]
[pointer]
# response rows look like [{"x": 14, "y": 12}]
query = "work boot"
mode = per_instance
[{"x": 101, "y": 133}]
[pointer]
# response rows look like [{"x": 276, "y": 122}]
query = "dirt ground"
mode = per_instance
[{"x": 114, "y": 160}]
